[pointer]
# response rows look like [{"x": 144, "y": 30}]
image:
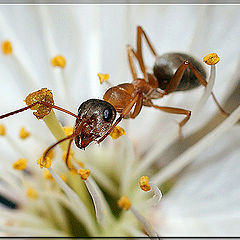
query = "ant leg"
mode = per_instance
[
  {"x": 55, "y": 144},
  {"x": 136, "y": 100},
  {"x": 67, "y": 160},
  {"x": 176, "y": 111},
  {"x": 138, "y": 107},
  {"x": 131, "y": 52},
  {"x": 140, "y": 33},
  {"x": 176, "y": 79},
  {"x": 32, "y": 105}
]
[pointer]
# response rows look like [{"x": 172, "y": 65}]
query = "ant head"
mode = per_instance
[{"x": 95, "y": 118}]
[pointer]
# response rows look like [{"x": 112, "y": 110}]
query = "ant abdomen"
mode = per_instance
[{"x": 166, "y": 65}]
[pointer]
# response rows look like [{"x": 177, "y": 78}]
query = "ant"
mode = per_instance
[
  {"x": 96, "y": 118},
  {"x": 171, "y": 72}
]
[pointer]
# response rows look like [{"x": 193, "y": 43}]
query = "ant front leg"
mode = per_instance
[
  {"x": 138, "y": 100},
  {"x": 131, "y": 53},
  {"x": 140, "y": 33}
]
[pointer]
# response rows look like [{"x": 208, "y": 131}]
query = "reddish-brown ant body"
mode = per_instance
[{"x": 95, "y": 119}]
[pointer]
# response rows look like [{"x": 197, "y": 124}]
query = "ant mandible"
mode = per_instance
[{"x": 95, "y": 119}]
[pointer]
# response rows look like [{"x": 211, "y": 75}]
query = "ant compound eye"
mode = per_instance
[{"x": 107, "y": 114}]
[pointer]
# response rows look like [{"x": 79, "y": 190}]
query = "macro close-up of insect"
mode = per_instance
[
  {"x": 165, "y": 145},
  {"x": 95, "y": 118}
]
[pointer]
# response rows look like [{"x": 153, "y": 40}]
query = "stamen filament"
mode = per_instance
[
  {"x": 207, "y": 92},
  {"x": 188, "y": 156},
  {"x": 95, "y": 197},
  {"x": 147, "y": 226},
  {"x": 86, "y": 217}
]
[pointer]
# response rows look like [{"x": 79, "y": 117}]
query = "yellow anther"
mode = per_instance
[
  {"x": 20, "y": 164},
  {"x": 58, "y": 61},
  {"x": 43, "y": 95},
  {"x": 47, "y": 175},
  {"x": 124, "y": 202},
  {"x": 144, "y": 183},
  {"x": 117, "y": 132},
  {"x": 68, "y": 130},
  {"x": 2, "y": 130},
  {"x": 23, "y": 134},
  {"x": 31, "y": 193},
  {"x": 44, "y": 164},
  {"x": 63, "y": 177},
  {"x": 103, "y": 77},
  {"x": 6, "y": 47},
  {"x": 84, "y": 173},
  {"x": 211, "y": 59}
]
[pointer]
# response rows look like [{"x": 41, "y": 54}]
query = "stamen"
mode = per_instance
[
  {"x": 23, "y": 134},
  {"x": 44, "y": 164},
  {"x": 211, "y": 59},
  {"x": 47, "y": 175},
  {"x": 117, "y": 132},
  {"x": 43, "y": 95},
  {"x": 58, "y": 61},
  {"x": 207, "y": 92},
  {"x": 31, "y": 193},
  {"x": 124, "y": 203},
  {"x": 2, "y": 130},
  {"x": 103, "y": 77},
  {"x": 20, "y": 164},
  {"x": 146, "y": 186},
  {"x": 7, "y": 47},
  {"x": 63, "y": 177},
  {"x": 84, "y": 173},
  {"x": 86, "y": 217},
  {"x": 144, "y": 183},
  {"x": 146, "y": 225}
]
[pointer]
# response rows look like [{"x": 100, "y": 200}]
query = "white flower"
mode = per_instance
[{"x": 93, "y": 39}]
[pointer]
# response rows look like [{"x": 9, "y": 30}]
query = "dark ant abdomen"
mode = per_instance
[{"x": 166, "y": 65}]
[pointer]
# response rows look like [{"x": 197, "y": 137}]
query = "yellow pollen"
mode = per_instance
[
  {"x": 103, "y": 77},
  {"x": 73, "y": 171},
  {"x": 63, "y": 177},
  {"x": 20, "y": 164},
  {"x": 211, "y": 59},
  {"x": 47, "y": 175},
  {"x": 51, "y": 154},
  {"x": 144, "y": 183},
  {"x": 58, "y": 61},
  {"x": 84, "y": 173},
  {"x": 70, "y": 156},
  {"x": 44, "y": 164},
  {"x": 81, "y": 164},
  {"x": 68, "y": 130},
  {"x": 31, "y": 193},
  {"x": 23, "y": 134},
  {"x": 117, "y": 132},
  {"x": 2, "y": 130},
  {"x": 124, "y": 202},
  {"x": 6, "y": 47},
  {"x": 43, "y": 95}
]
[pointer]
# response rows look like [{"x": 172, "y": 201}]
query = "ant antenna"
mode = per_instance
[{"x": 38, "y": 102}]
